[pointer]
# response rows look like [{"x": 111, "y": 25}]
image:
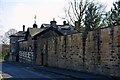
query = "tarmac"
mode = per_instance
[
  {"x": 77, "y": 75},
  {"x": 74, "y": 74}
]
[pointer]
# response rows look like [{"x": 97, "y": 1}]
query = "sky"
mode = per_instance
[{"x": 16, "y": 13}]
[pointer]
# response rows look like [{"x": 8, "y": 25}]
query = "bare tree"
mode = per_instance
[
  {"x": 5, "y": 39},
  {"x": 87, "y": 13},
  {"x": 1, "y": 39},
  {"x": 76, "y": 11}
]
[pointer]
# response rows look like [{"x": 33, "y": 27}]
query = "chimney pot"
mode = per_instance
[
  {"x": 23, "y": 28},
  {"x": 34, "y": 25},
  {"x": 64, "y": 22},
  {"x": 53, "y": 23}
]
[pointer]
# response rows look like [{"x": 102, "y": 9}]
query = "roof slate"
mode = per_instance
[
  {"x": 18, "y": 34},
  {"x": 64, "y": 29},
  {"x": 34, "y": 31}
]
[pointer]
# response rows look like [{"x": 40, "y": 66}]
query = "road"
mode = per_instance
[{"x": 16, "y": 71}]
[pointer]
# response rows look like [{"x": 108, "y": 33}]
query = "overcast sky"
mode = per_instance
[{"x": 15, "y": 13}]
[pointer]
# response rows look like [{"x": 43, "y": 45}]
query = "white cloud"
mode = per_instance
[{"x": 22, "y": 14}]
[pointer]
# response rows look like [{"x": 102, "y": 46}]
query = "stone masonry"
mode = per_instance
[{"x": 96, "y": 51}]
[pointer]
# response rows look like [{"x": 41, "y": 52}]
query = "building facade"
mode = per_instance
[
  {"x": 61, "y": 46},
  {"x": 98, "y": 53},
  {"x": 27, "y": 51},
  {"x": 14, "y": 45},
  {"x": 33, "y": 49}
]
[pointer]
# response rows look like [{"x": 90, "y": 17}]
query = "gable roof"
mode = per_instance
[
  {"x": 50, "y": 29},
  {"x": 59, "y": 29},
  {"x": 45, "y": 26},
  {"x": 64, "y": 29},
  {"x": 32, "y": 32}
]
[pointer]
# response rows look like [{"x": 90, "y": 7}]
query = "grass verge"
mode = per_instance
[{"x": 1, "y": 59}]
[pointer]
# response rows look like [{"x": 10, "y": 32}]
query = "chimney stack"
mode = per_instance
[
  {"x": 64, "y": 23},
  {"x": 23, "y": 28},
  {"x": 34, "y": 25},
  {"x": 53, "y": 23}
]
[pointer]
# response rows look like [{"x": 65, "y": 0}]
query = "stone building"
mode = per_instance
[
  {"x": 61, "y": 46},
  {"x": 33, "y": 48},
  {"x": 98, "y": 53},
  {"x": 14, "y": 44},
  {"x": 51, "y": 30},
  {"x": 28, "y": 45}
]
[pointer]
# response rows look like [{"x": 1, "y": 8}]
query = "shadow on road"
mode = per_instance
[{"x": 18, "y": 71}]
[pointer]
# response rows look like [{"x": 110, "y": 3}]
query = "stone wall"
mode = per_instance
[
  {"x": 41, "y": 58},
  {"x": 42, "y": 47},
  {"x": 97, "y": 51},
  {"x": 27, "y": 51}
]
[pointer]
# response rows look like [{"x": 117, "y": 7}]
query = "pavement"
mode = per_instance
[{"x": 73, "y": 74}]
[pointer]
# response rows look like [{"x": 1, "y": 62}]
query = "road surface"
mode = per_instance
[{"x": 16, "y": 71}]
